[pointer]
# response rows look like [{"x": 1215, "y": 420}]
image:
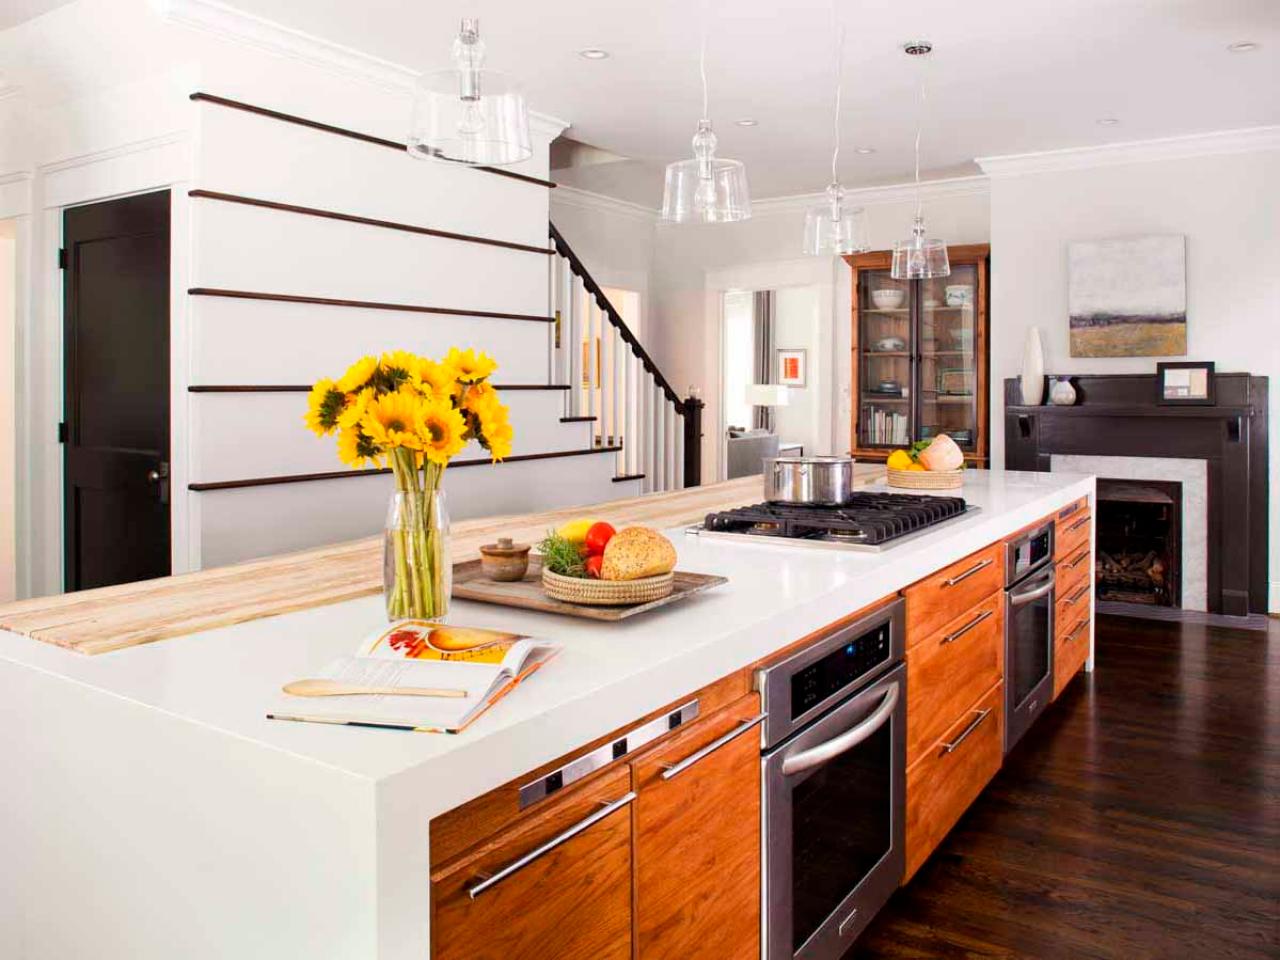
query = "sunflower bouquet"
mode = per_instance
[{"x": 413, "y": 414}]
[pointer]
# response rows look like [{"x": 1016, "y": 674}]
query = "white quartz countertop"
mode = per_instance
[{"x": 607, "y": 675}]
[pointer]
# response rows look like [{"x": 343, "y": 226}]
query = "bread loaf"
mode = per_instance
[{"x": 635, "y": 552}]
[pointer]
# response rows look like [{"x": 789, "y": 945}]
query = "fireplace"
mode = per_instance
[{"x": 1139, "y": 555}]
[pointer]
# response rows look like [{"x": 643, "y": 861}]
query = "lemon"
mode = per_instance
[
  {"x": 900, "y": 460},
  {"x": 575, "y": 531}
]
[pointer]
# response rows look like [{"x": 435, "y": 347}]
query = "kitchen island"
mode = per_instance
[{"x": 153, "y": 811}]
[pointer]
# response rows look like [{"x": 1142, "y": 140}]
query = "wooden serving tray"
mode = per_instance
[{"x": 470, "y": 584}]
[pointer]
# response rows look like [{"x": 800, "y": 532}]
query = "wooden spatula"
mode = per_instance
[{"x": 337, "y": 688}]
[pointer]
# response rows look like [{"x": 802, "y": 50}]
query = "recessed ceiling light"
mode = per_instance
[
  {"x": 1108, "y": 122},
  {"x": 593, "y": 53},
  {"x": 864, "y": 150},
  {"x": 747, "y": 122},
  {"x": 1243, "y": 46}
]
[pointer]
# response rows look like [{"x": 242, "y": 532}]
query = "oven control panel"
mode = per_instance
[{"x": 840, "y": 668}]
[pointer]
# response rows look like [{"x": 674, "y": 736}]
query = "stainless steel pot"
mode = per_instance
[{"x": 820, "y": 481}]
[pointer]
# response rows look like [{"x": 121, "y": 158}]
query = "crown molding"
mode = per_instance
[
  {"x": 599, "y": 203},
  {"x": 872, "y": 196},
  {"x": 1247, "y": 140},
  {"x": 237, "y": 26}
]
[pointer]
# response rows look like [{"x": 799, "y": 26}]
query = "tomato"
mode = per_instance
[
  {"x": 598, "y": 537},
  {"x": 593, "y": 565}
]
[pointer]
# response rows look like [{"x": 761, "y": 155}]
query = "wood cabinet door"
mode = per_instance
[
  {"x": 697, "y": 840},
  {"x": 558, "y": 885}
]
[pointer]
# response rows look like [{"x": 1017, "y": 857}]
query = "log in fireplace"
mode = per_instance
[{"x": 1139, "y": 557}]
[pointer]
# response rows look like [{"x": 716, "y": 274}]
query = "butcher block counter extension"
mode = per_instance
[{"x": 149, "y": 789}]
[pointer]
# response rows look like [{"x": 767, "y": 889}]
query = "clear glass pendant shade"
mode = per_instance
[
  {"x": 469, "y": 114},
  {"x": 705, "y": 189},
  {"x": 919, "y": 258},
  {"x": 833, "y": 227}
]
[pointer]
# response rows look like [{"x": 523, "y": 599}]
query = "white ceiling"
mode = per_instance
[
  {"x": 14, "y": 12},
  {"x": 1007, "y": 76}
]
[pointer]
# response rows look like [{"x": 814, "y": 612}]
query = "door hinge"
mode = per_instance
[
  {"x": 62, "y": 258},
  {"x": 62, "y": 432}
]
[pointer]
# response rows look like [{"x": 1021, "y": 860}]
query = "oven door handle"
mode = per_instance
[
  {"x": 816, "y": 756},
  {"x": 1018, "y": 599}
]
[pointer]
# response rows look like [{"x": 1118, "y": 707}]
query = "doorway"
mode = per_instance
[{"x": 116, "y": 391}]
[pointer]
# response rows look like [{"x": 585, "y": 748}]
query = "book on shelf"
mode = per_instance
[
  {"x": 887, "y": 427},
  {"x": 480, "y": 666}
]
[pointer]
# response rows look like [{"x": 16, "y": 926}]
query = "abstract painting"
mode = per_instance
[{"x": 1128, "y": 298}]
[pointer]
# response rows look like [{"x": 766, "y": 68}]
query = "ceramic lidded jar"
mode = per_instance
[{"x": 1063, "y": 394}]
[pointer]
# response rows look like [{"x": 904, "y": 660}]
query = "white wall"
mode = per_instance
[
  {"x": 693, "y": 263},
  {"x": 1228, "y": 206},
  {"x": 806, "y": 419},
  {"x": 8, "y": 450}
]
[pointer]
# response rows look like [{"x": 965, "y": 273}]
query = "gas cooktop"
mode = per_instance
[{"x": 868, "y": 521}]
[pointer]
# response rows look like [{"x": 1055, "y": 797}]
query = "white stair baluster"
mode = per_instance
[
  {"x": 566, "y": 297},
  {"x": 574, "y": 348},
  {"x": 592, "y": 367}
]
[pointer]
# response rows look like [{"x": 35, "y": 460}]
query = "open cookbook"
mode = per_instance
[{"x": 475, "y": 667}]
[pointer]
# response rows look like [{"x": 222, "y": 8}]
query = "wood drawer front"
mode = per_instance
[
  {"x": 951, "y": 670},
  {"x": 573, "y": 902},
  {"x": 1073, "y": 569},
  {"x": 1072, "y": 510},
  {"x": 1071, "y": 534},
  {"x": 945, "y": 781},
  {"x": 1070, "y": 651},
  {"x": 456, "y": 831},
  {"x": 1070, "y": 607},
  {"x": 697, "y": 840},
  {"x": 937, "y": 600}
]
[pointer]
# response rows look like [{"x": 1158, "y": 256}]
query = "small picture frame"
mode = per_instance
[
  {"x": 1185, "y": 384},
  {"x": 793, "y": 367}
]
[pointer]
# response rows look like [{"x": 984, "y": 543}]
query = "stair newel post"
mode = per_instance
[
  {"x": 646, "y": 431},
  {"x": 660, "y": 436},
  {"x": 574, "y": 346},
  {"x": 628, "y": 412},
  {"x": 692, "y": 440},
  {"x": 619, "y": 400},
  {"x": 564, "y": 374}
]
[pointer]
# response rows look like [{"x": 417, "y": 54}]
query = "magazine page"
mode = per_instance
[{"x": 427, "y": 641}]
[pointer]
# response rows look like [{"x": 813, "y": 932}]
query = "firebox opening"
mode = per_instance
[{"x": 1139, "y": 542}]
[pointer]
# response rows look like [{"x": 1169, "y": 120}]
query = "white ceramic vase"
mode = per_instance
[
  {"x": 1063, "y": 393},
  {"x": 1032, "y": 382}
]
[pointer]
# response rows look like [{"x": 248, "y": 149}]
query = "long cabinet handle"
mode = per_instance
[
  {"x": 516, "y": 866},
  {"x": 952, "y": 637},
  {"x": 1076, "y": 596},
  {"x": 980, "y": 565},
  {"x": 977, "y": 722},
  {"x": 1078, "y": 627},
  {"x": 675, "y": 769},
  {"x": 1077, "y": 525},
  {"x": 1084, "y": 555}
]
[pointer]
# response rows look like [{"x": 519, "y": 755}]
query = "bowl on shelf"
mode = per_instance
[
  {"x": 888, "y": 299},
  {"x": 959, "y": 295},
  {"x": 890, "y": 344}
]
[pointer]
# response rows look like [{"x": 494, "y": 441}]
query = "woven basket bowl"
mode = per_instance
[
  {"x": 926, "y": 479},
  {"x": 607, "y": 593}
]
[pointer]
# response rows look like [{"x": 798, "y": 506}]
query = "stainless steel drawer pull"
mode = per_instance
[
  {"x": 1077, "y": 525},
  {"x": 1068, "y": 511},
  {"x": 1084, "y": 555},
  {"x": 1076, "y": 596},
  {"x": 980, "y": 565},
  {"x": 1079, "y": 626},
  {"x": 516, "y": 866},
  {"x": 675, "y": 769},
  {"x": 950, "y": 637},
  {"x": 977, "y": 722}
]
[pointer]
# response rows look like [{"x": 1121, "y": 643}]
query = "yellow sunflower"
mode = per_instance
[
  {"x": 389, "y": 420},
  {"x": 469, "y": 366},
  {"x": 355, "y": 410},
  {"x": 439, "y": 380},
  {"x": 358, "y": 374},
  {"x": 400, "y": 366},
  {"x": 441, "y": 430},
  {"x": 478, "y": 397},
  {"x": 357, "y": 450},
  {"x": 324, "y": 405},
  {"x": 495, "y": 430}
]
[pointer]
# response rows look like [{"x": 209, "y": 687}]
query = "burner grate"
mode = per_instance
[{"x": 867, "y": 518}]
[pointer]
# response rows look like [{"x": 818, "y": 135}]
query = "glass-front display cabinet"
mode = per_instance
[{"x": 920, "y": 356}]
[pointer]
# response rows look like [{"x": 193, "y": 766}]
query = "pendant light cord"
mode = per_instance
[
  {"x": 919, "y": 131},
  {"x": 835, "y": 153},
  {"x": 702, "y": 71}
]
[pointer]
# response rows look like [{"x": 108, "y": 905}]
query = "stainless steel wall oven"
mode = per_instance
[{"x": 1028, "y": 630}]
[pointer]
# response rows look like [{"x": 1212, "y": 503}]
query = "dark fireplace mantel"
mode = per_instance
[{"x": 1117, "y": 415}]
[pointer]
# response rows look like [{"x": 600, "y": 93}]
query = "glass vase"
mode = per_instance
[{"x": 417, "y": 574}]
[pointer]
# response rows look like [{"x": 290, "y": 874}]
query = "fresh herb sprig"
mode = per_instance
[{"x": 561, "y": 556}]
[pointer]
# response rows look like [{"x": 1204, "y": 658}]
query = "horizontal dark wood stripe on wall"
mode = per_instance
[
  {"x": 366, "y": 221},
  {"x": 304, "y": 388},
  {"x": 349, "y": 134},
  {"x": 348, "y": 474},
  {"x": 365, "y": 304}
]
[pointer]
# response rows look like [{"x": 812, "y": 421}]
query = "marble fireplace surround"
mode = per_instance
[{"x": 1194, "y": 477}]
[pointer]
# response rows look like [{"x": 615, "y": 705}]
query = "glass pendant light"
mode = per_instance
[
  {"x": 919, "y": 258},
  {"x": 469, "y": 114},
  {"x": 706, "y": 189},
  {"x": 831, "y": 227}
]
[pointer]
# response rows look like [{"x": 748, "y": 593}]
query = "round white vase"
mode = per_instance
[
  {"x": 1032, "y": 380},
  {"x": 1063, "y": 394}
]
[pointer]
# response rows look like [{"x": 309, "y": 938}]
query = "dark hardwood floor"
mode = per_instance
[{"x": 1140, "y": 818}]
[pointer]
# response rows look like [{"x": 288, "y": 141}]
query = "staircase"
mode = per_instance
[{"x": 614, "y": 384}]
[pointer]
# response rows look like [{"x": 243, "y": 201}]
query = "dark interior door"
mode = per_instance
[{"x": 116, "y": 390}]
